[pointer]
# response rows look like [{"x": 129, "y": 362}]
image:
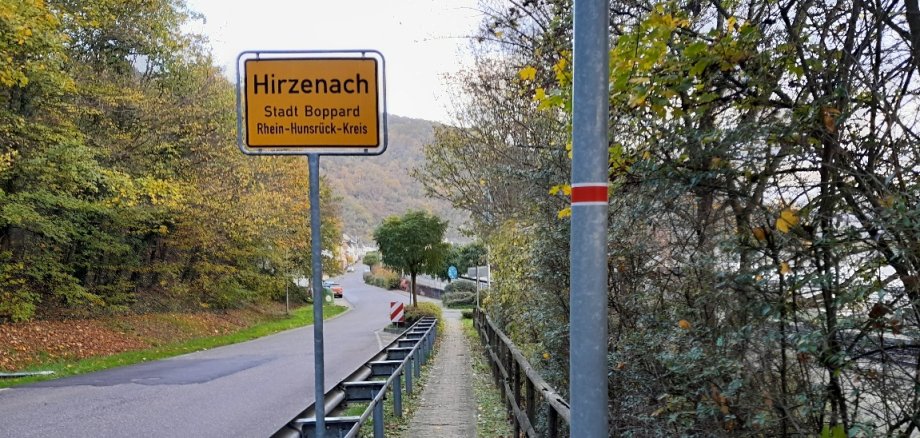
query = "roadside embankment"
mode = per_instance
[{"x": 78, "y": 346}]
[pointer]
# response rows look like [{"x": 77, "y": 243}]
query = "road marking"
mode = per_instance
[
  {"x": 4, "y": 389},
  {"x": 379, "y": 341}
]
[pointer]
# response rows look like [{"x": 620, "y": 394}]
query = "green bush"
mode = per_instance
[
  {"x": 467, "y": 314},
  {"x": 383, "y": 279},
  {"x": 459, "y": 299},
  {"x": 415, "y": 313},
  {"x": 371, "y": 258},
  {"x": 460, "y": 286}
]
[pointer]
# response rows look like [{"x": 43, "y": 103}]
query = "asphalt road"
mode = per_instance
[{"x": 244, "y": 390}]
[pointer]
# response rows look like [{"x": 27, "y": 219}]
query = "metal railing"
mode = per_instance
[
  {"x": 403, "y": 357},
  {"x": 513, "y": 374}
]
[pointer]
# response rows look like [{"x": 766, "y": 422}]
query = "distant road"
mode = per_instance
[{"x": 243, "y": 390}]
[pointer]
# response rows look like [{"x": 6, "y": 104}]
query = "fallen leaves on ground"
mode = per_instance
[{"x": 38, "y": 342}]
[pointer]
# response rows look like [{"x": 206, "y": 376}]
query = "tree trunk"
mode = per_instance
[{"x": 414, "y": 296}]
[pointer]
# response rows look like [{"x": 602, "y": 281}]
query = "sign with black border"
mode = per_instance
[{"x": 311, "y": 102}]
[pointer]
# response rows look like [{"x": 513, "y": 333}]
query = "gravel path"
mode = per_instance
[{"x": 447, "y": 408}]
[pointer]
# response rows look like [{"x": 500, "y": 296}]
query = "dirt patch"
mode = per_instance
[{"x": 31, "y": 343}]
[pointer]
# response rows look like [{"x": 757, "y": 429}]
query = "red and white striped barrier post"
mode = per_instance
[{"x": 397, "y": 312}]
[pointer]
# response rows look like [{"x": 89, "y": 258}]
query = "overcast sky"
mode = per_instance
[{"x": 420, "y": 39}]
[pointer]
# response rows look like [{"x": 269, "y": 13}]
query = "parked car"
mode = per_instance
[{"x": 337, "y": 290}]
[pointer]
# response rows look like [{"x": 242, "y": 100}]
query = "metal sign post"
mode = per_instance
[
  {"x": 588, "y": 258},
  {"x": 319, "y": 369},
  {"x": 312, "y": 103}
]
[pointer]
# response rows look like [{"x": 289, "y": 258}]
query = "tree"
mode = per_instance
[
  {"x": 412, "y": 243},
  {"x": 763, "y": 240},
  {"x": 370, "y": 259},
  {"x": 121, "y": 187}
]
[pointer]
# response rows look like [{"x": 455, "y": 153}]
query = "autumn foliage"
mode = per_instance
[
  {"x": 121, "y": 186},
  {"x": 764, "y": 228}
]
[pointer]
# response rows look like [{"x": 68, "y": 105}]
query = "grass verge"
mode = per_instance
[
  {"x": 63, "y": 368},
  {"x": 491, "y": 415}
]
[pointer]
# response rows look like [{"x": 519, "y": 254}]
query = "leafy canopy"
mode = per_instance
[{"x": 413, "y": 242}]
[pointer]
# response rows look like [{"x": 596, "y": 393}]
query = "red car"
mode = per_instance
[{"x": 337, "y": 290}]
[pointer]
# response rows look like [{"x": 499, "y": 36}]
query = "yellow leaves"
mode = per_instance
[
  {"x": 540, "y": 95},
  {"x": 129, "y": 192},
  {"x": 684, "y": 324},
  {"x": 565, "y": 189},
  {"x": 23, "y": 35},
  {"x": 546, "y": 355},
  {"x": 784, "y": 268},
  {"x": 760, "y": 233},
  {"x": 731, "y": 23},
  {"x": 527, "y": 73},
  {"x": 884, "y": 201},
  {"x": 637, "y": 100},
  {"x": 161, "y": 192},
  {"x": 788, "y": 218},
  {"x": 562, "y": 71},
  {"x": 829, "y": 115},
  {"x": 565, "y": 212},
  {"x": 6, "y": 160}
]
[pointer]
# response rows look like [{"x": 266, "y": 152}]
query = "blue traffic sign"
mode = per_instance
[{"x": 452, "y": 272}]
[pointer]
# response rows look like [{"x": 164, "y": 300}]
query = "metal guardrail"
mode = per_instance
[
  {"x": 511, "y": 371},
  {"x": 402, "y": 357}
]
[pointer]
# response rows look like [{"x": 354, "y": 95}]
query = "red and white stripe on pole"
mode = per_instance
[
  {"x": 397, "y": 312},
  {"x": 589, "y": 194}
]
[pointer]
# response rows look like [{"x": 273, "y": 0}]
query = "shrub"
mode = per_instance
[
  {"x": 461, "y": 286},
  {"x": 467, "y": 314},
  {"x": 459, "y": 299},
  {"x": 382, "y": 278},
  {"x": 371, "y": 258},
  {"x": 415, "y": 313}
]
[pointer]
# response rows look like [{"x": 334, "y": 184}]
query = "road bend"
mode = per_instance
[{"x": 248, "y": 389}]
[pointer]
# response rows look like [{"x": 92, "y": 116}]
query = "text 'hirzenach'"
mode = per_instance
[{"x": 271, "y": 85}]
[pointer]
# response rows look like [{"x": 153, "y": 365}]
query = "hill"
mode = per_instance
[{"x": 373, "y": 188}]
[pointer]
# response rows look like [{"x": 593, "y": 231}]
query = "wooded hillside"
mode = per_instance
[
  {"x": 121, "y": 185},
  {"x": 373, "y": 188}
]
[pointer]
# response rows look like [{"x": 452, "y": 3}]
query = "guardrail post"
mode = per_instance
[
  {"x": 423, "y": 347},
  {"x": 418, "y": 364},
  {"x": 378, "y": 419},
  {"x": 397, "y": 395},
  {"x": 551, "y": 430},
  {"x": 409, "y": 377}
]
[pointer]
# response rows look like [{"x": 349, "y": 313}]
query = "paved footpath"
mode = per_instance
[{"x": 447, "y": 408}]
